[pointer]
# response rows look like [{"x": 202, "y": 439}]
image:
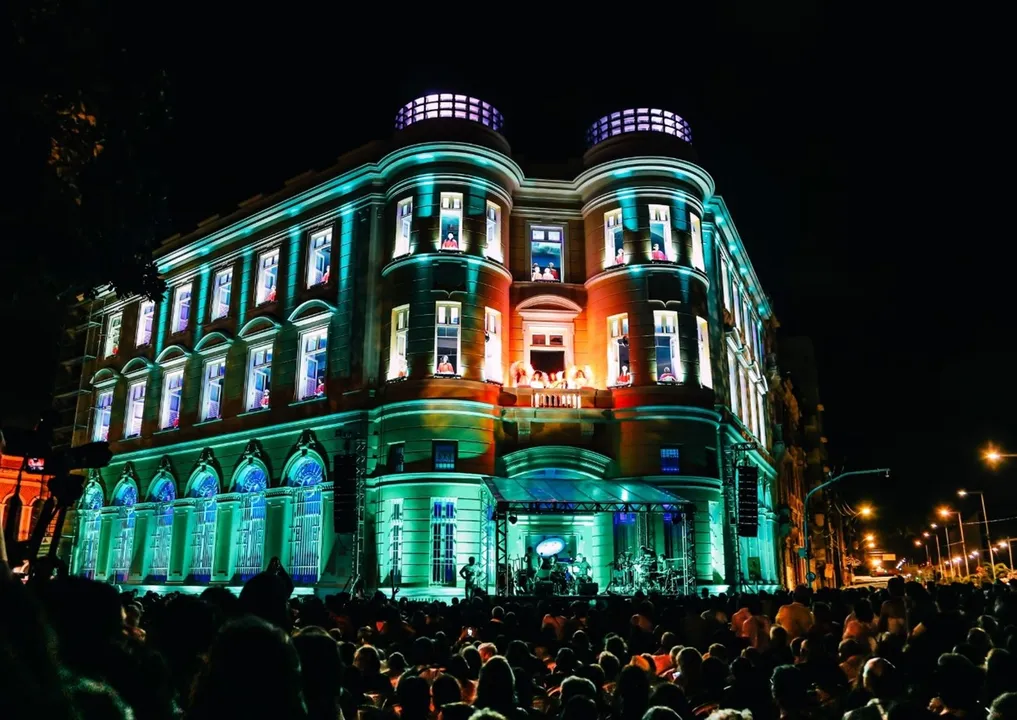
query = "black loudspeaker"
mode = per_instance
[
  {"x": 748, "y": 501},
  {"x": 589, "y": 588},
  {"x": 544, "y": 588},
  {"x": 344, "y": 493}
]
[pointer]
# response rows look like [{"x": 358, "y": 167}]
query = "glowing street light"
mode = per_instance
[
  {"x": 869, "y": 537},
  {"x": 994, "y": 456},
  {"x": 945, "y": 512},
  {"x": 865, "y": 511},
  {"x": 926, "y": 534}
]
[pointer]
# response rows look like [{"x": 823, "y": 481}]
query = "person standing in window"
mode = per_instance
[
  {"x": 624, "y": 378},
  {"x": 324, "y": 275},
  {"x": 619, "y": 257},
  {"x": 666, "y": 376},
  {"x": 657, "y": 253},
  {"x": 536, "y": 272},
  {"x": 445, "y": 367},
  {"x": 469, "y": 574},
  {"x": 319, "y": 390},
  {"x": 450, "y": 242}
]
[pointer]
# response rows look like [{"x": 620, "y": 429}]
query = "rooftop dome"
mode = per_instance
[
  {"x": 638, "y": 120},
  {"x": 447, "y": 105}
]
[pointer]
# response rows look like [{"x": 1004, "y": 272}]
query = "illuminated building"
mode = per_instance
[{"x": 496, "y": 338}]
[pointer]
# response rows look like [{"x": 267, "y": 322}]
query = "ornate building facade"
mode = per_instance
[{"x": 526, "y": 359}]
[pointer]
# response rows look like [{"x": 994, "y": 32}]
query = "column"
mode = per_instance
[
  {"x": 278, "y": 517},
  {"x": 103, "y": 556},
  {"x": 331, "y": 569},
  {"x": 181, "y": 548},
  {"x": 141, "y": 554},
  {"x": 224, "y": 558}
]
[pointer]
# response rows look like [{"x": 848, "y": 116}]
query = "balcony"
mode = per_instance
[{"x": 554, "y": 398}]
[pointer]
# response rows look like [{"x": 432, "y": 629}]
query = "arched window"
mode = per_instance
[
  {"x": 163, "y": 494},
  {"x": 89, "y": 524},
  {"x": 305, "y": 475},
  {"x": 204, "y": 488},
  {"x": 251, "y": 481},
  {"x": 125, "y": 499}
]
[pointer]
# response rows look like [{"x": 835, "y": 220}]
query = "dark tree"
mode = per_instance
[{"x": 90, "y": 114}]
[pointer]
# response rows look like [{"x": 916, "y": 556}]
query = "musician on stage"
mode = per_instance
[{"x": 583, "y": 568}]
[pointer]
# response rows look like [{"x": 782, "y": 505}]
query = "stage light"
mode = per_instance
[{"x": 513, "y": 519}]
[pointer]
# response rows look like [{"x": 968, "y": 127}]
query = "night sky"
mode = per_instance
[{"x": 846, "y": 153}]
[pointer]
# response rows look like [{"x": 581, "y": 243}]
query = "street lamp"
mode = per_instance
[
  {"x": 946, "y": 513},
  {"x": 811, "y": 576},
  {"x": 865, "y": 511},
  {"x": 994, "y": 456},
  {"x": 1007, "y": 544},
  {"x": 928, "y": 557},
  {"x": 985, "y": 517}
]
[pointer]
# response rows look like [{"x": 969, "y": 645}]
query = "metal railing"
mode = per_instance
[
  {"x": 638, "y": 120},
  {"x": 447, "y": 105}
]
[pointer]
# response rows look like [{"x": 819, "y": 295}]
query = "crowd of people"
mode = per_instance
[{"x": 74, "y": 648}]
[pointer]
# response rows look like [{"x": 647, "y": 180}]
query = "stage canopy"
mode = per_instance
[{"x": 563, "y": 495}]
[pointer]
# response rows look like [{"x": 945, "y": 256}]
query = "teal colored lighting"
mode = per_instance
[
  {"x": 424, "y": 157},
  {"x": 622, "y": 173}
]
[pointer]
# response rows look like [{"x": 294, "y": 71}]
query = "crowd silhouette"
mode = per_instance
[{"x": 75, "y": 648}]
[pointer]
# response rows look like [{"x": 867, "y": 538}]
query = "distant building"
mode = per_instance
[{"x": 559, "y": 365}]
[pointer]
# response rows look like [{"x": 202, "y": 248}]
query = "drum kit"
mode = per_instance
[
  {"x": 564, "y": 575},
  {"x": 645, "y": 573}
]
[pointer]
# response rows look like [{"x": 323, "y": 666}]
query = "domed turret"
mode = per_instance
[
  {"x": 440, "y": 116},
  {"x": 638, "y": 131}
]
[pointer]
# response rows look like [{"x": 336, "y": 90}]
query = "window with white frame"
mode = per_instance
[
  {"x": 113, "y": 324},
  {"x": 451, "y": 221},
  {"x": 698, "y": 258},
  {"x": 103, "y": 412},
  {"x": 705, "y": 369},
  {"x": 123, "y": 539},
  {"x": 761, "y": 412},
  {"x": 212, "y": 388},
  {"x": 614, "y": 239},
  {"x": 446, "y": 338},
  {"x": 172, "y": 394},
  {"x": 135, "y": 409},
  {"x": 618, "y": 372},
  {"x": 736, "y": 298},
  {"x": 146, "y": 314},
  {"x": 725, "y": 283},
  {"x": 268, "y": 277},
  {"x": 661, "y": 248},
  {"x": 222, "y": 291},
  {"x": 397, "y": 367},
  {"x": 319, "y": 260},
  {"x": 492, "y": 248},
  {"x": 181, "y": 308},
  {"x": 404, "y": 224},
  {"x": 665, "y": 343},
  {"x": 443, "y": 541},
  {"x": 546, "y": 253},
  {"x": 549, "y": 351},
  {"x": 732, "y": 370},
  {"x": 162, "y": 537},
  {"x": 259, "y": 377},
  {"x": 444, "y": 454},
  {"x": 395, "y": 543},
  {"x": 492, "y": 345},
  {"x": 313, "y": 364},
  {"x": 753, "y": 416},
  {"x": 743, "y": 396},
  {"x": 669, "y": 459}
]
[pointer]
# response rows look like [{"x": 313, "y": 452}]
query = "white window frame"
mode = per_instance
[
  {"x": 304, "y": 362},
  {"x": 732, "y": 370},
  {"x": 263, "y": 291},
  {"x": 114, "y": 323},
  {"x": 207, "y": 382},
  {"x": 181, "y": 324},
  {"x": 165, "y": 410},
  {"x": 316, "y": 251},
  {"x": 743, "y": 395},
  {"x": 449, "y": 315},
  {"x": 725, "y": 282},
  {"x": 134, "y": 411},
  {"x": 492, "y": 247},
  {"x": 493, "y": 366},
  {"x": 703, "y": 340},
  {"x": 222, "y": 293},
  {"x": 661, "y": 214},
  {"x": 146, "y": 323},
  {"x": 667, "y": 321},
  {"x": 443, "y": 549},
  {"x": 538, "y": 327},
  {"x": 612, "y": 228},
  {"x": 761, "y": 404},
  {"x": 698, "y": 256},
  {"x": 617, "y": 329},
  {"x": 451, "y": 206},
  {"x": 253, "y": 401},
  {"x": 404, "y": 226},
  {"x": 736, "y": 296},
  {"x": 398, "y": 337},
  {"x": 546, "y": 229},
  {"x": 103, "y": 414},
  {"x": 396, "y": 540}
]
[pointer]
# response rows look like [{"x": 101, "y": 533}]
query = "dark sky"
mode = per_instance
[{"x": 852, "y": 152}]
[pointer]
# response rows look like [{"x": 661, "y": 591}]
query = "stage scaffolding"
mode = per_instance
[{"x": 556, "y": 496}]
